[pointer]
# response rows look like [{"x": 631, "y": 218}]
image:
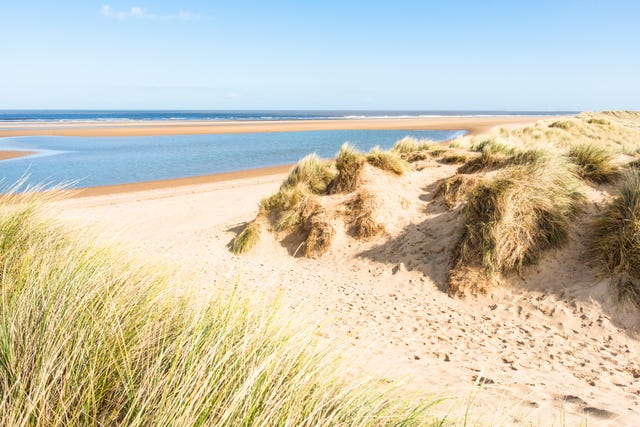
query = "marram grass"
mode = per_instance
[
  {"x": 616, "y": 239},
  {"x": 87, "y": 338}
]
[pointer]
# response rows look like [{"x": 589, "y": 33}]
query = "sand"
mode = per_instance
[
  {"x": 552, "y": 348},
  {"x": 6, "y": 155}
]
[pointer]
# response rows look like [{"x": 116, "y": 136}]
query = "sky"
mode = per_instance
[{"x": 403, "y": 55}]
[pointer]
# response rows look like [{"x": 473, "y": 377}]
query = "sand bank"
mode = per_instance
[
  {"x": 6, "y": 155},
  {"x": 473, "y": 125}
]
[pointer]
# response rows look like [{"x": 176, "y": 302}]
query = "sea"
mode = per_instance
[
  {"x": 78, "y": 162},
  {"x": 144, "y": 115}
]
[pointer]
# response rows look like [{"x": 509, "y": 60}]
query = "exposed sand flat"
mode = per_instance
[
  {"x": 472, "y": 124},
  {"x": 6, "y": 155}
]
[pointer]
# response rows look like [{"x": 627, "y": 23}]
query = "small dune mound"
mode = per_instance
[
  {"x": 511, "y": 218},
  {"x": 360, "y": 215},
  {"x": 616, "y": 239}
]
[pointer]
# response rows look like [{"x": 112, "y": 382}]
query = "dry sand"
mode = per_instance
[{"x": 552, "y": 347}]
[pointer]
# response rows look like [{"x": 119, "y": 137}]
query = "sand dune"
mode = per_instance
[{"x": 550, "y": 346}]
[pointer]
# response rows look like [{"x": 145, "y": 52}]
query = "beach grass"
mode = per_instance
[
  {"x": 511, "y": 218},
  {"x": 247, "y": 239},
  {"x": 616, "y": 239},
  {"x": 361, "y": 210},
  {"x": 389, "y": 161},
  {"x": 88, "y": 337},
  {"x": 409, "y": 144},
  {"x": 350, "y": 164},
  {"x": 595, "y": 163}
]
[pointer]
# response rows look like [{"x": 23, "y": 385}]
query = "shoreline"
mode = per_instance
[{"x": 473, "y": 126}]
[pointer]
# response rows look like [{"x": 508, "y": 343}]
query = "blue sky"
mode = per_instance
[{"x": 513, "y": 55}]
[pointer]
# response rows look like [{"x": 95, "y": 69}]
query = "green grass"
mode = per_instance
[
  {"x": 595, "y": 163},
  {"x": 616, "y": 239},
  {"x": 511, "y": 218},
  {"x": 90, "y": 338}
]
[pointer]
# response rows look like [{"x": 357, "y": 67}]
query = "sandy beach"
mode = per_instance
[
  {"x": 552, "y": 347},
  {"x": 6, "y": 155}
]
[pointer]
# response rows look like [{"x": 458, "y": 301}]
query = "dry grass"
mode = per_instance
[
  {"x": 387, "y": 160},
  {"x": 349, "y": 163},
  {"x": 283, "y": 207},
  {"x": 409, "y": 145},
  {"x": 513, "y": 217},
  {"x": 313, "y": 172},
  {"x": 454, "y": 190},
  {"x": 248, "y": 238},
  {"x": 317, "y": 227},
  {"x": 360, "y": 213},
  {"x": 595, "y": 163},
  {"x": 616, "y": 239}
]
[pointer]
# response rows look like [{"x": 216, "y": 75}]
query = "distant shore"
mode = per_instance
[{"x": 473, "y": 125}]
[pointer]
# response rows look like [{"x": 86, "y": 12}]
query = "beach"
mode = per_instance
[{"x": 540, "y": 345}]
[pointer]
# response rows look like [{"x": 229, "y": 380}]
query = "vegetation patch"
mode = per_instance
[
  {"x": 616, "y": 239},
  {"x": 247, "y": 239},
  {"x": 410, "y": 145},
  {"x": 350, "y": 164},
  {"x": 454, "y": 190},
  {"x": 513, "y": 217},
  {"x": 389, "y": 161},
  {"x": 595, "y": 163},
  {"x": 361, "y": 211}
]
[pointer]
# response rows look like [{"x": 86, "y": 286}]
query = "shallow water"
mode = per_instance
[{"x": 93, "y": 161}]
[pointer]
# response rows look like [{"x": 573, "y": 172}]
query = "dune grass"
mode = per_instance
[
  {"x": 389, "y": 161},
  {"x": 513, "y": 217},
  {"x": 247, "y": 239},
  {"x": 595, "y": 163},
  {"x": 350, "y": 164},
  {"x": 313, "y": 172},
  {"x": 409, "y": 145},
  {"x": 616, "y": 239},
  {"x": 89, "y": 338},
  {"x": 361, "y": 211},
  {"x": 317, "y": 228},
  {"x": 454, "y": 190}
]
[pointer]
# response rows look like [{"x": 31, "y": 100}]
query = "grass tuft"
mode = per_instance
[
  {"x": 616, "y": 239},
  {"x": 454, "y": 189},
  {"x": 317, "y": 227},
  {"x": 361, "y": 210},
  {"x": 595, "y": 163},
  {"x": 387, "y": 160},
  {"x": 409, "y": 144},
  {"x": 511, "y": 218},
  {"x": 247, "y": 239},
  {"x": 350, "y": 164},
  {"x": 312, "y": 171}
]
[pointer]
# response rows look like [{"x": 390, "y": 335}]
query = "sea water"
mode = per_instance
[{"x": 94, "y": 161}]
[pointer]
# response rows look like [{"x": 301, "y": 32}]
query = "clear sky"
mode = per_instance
[{"x": 143, "y": 54}]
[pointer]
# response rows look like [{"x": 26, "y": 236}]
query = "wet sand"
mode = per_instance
[{"x": 6, "y": 155}]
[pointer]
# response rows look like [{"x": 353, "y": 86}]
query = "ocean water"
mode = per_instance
[
  {"x": 94, "y": 161},
  {"x": 9, "y": 116}
]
